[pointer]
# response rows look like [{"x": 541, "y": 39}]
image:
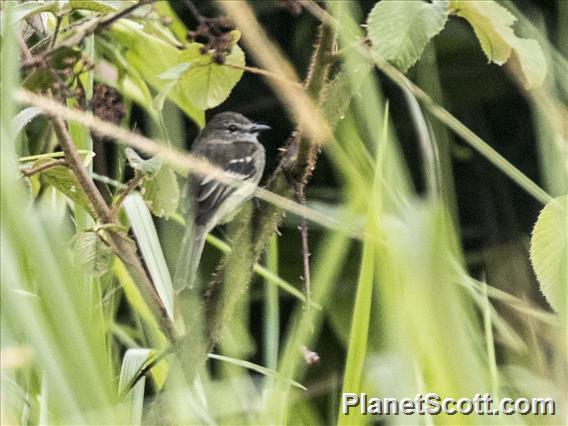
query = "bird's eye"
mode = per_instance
[{"x": 232, "y": 128}]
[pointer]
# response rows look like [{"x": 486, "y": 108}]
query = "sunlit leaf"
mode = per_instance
[
  {"x": 208, "y": 83},
  {"x": 400, "y": 30},
  {"x": 492, "y": 24},
  {"x": 133, "y": 359},
  {"x": 549, "y": 253},
  {"x": 147, "y": 237}
]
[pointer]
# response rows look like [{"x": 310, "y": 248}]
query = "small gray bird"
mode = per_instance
[{"x": 229, "y": 141}]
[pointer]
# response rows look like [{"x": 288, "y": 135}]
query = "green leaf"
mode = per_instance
[
  {"x": 492, "y": 24},
  {"x": 400, "y": 30},
  {"x": 202, "y": 83},
  {"x": 92, "y": 253},
  {"x": 131, "y": 363},
  {"x": 549, "y": 253},
  {"x": 150, "y": 247},
  {"x": 161, "y": 193},
  {"x": 175, "y": 72},
  {"x": 258, "y": 368},
  {"x": 150, "y": 56},
  {"x": 149, "y": 167},
  {"x": 62, "y": 179},
  {"x": 24, "y": 117},
  {"x": 208, "y": 83},
  {"x": 93, "y": 6}
]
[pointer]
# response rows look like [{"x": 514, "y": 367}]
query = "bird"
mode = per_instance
[{"x": 230, "y": 142}]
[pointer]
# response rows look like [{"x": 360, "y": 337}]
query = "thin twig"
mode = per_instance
[
  {"x": 42, "y": 167},
  {"x": 269, "y": 74},
  {"x": 132, "y": 184},
  {"x": 122, "y": 246},
  {"x": 305, "y": 245},
  {"x": 58, "y": 18},
  {"x": 195, "y": 11},
  {"x": 183, "y": 161},
  {"x": 100, "y": 208},
  {"x": 83, "y": 31},
  {"x": 108, "y": 22}
]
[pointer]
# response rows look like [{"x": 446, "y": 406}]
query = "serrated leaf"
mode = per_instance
[
  {"x": 492, "y": 24},
  {"x": 530, "y": 62},
  {"x": 148, "y": 167},
  {"x": 400, "y": 30},
  {"x": 549, "y": 253},
  {"x": 92, "y": 253},
  {"x": 161, "y": 193},
  {"x": 62, "y": 179}
]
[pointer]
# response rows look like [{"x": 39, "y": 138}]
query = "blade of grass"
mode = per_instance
[{"x": 143, "y": 227}]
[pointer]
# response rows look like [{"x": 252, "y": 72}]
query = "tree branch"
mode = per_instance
[
  {"x": 42, "y": 167},
  {"x": 122, "y": 246}
]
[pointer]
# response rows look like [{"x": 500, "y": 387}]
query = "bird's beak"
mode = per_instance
[{"x": 258, "y": 127}]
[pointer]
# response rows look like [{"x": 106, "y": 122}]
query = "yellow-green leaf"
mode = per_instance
[
  {"x": 492, "y": 24},
  {"x": 549, "y": 253}
]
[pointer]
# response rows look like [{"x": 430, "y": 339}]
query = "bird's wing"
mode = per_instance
[{"x": 237, "y": 159}]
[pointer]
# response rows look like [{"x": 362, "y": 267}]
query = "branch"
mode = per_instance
[
  {"x": 80, "y": 34},
  {"x": 42, "y": 167},
  {"x": 132, "y": 184},
  {"x": 122, "y": 246}
]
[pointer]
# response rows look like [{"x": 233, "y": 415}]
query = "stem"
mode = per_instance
[
  {"x": 305, "y": 247},
  {"x": 56, "y": 31},
  {"x": 132, "y": 184},
  {"x": 122, "y": 246},
  {"x": 42, "y": 167},
  {"x": 100, "y": 209},
  {"x": 293, "y": 172}
]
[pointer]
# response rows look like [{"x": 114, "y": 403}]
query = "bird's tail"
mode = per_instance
[{"x": 189, "y": 256}]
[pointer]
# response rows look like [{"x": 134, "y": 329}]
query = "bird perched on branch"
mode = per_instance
[{"x": 229, "y": 141}]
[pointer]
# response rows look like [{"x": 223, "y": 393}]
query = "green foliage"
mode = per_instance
[
  {"x": 61, "y": 178},
  {"x": 92, "y": 253},
  {"x": 394, "y": 310},
  {"x": 549, "y": 253},
  {"x": 161, "y": 192},
  {"x": 147, "y": 237},
  {"x": 159, "y": 184},
  {"x": 492, "y": 24},
  {"x": 400, "y": 30}
]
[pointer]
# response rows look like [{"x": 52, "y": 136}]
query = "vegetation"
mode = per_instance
[{"x": 394, "y": 248}]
